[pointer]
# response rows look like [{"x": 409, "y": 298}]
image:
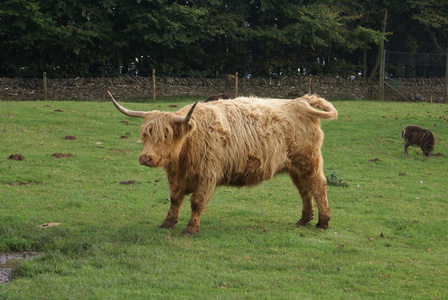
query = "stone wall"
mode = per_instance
[{"x": 332, "y": 88}]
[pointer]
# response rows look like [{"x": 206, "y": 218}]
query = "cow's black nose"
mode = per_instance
[{"x": 145, "y": 160}]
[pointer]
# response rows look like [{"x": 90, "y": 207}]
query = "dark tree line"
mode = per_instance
[{"x": 214, "y": 37}]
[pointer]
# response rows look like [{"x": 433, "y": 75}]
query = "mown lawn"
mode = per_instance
[{"x": 387, "y": 237}]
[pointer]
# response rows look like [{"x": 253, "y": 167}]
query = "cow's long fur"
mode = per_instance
[{"x": 239, "y": 142}]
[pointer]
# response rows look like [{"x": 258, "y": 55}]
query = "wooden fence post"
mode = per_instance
[
  {"x": 309, "y": 84},
  {"x": 45, "y": 86},
  {"x": 153, "y": 84},
  {"x": 236, "y": 85}
]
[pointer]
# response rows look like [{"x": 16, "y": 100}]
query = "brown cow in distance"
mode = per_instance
[
  {"x": 218, "y": 97},
  {"x": 416, "y": 136},
  {"x": 237, "y": 143}
]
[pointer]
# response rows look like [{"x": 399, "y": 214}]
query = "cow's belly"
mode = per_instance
[{"x": 249, "y": 178}]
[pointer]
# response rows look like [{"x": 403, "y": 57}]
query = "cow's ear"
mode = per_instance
[
  {"x": 185, "y": 119},
  {"x": 183, "y": 129}
]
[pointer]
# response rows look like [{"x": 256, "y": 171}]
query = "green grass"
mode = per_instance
[{"x": 387, "y": 237}]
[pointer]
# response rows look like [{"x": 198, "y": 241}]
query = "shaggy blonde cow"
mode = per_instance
[{"x": 239, "y": 143}]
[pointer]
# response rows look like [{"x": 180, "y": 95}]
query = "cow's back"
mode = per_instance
[{"x": 248, "y": 140}]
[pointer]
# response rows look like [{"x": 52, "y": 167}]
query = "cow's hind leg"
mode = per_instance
[
  {"x": 173, "y": 214},
  {"x": 307, "y": 200},
  {"x": 320, "y": 194},
  {"x": 313, "y": 184},
  {"x": 199, "y": 201}
]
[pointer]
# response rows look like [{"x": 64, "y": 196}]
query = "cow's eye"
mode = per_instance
[{"x": 147, "y": 133}]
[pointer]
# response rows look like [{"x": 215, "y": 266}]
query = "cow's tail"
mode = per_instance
[{"x": 319, "y": 107}]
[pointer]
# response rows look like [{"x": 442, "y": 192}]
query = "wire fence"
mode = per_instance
[
  {"x": 94, "y": 88},
  {"x": 411, "y": 76},
  {"x": 391, "y": 87}
]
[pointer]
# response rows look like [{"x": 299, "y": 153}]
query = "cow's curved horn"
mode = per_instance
[
  {"x": 131, "y": 113},
  {"x": 186, "y": 119}
]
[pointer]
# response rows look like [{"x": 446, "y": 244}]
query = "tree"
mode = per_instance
[
  {"x": 215, "y": 37},
  {"x": 80, "y": 38},
  {"x": 22, "y": 31},
  {"x": 418, "y": 27},
  {"x": 162, "y": 34}
]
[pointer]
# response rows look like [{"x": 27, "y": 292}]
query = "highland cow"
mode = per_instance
[
  {"x": 237, "y": 143},
  {"x": 418, "y": 137}
]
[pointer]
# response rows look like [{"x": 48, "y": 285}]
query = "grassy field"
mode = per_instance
[{"x": 387, "y": 237}]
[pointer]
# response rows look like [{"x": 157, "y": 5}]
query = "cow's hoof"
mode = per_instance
[
  {"x": 303, "y": 222},
  {"x": 190, "y": 230},
  {"x": 168, "y": 225},
  {"x": 322, "y": 225}
]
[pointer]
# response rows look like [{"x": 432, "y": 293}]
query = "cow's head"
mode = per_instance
[{"x": 162, "y": 134}]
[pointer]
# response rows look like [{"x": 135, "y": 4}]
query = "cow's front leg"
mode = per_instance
[
  {"x": 406, "y": 145},
  {"x": 405, "y": 152},
  {"x": 199, "y": 201},
  {"x": 173, "y": 214}
]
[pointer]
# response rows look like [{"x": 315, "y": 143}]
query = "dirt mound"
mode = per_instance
[
  {"x": 59, "y": 155},
  {"x": 16, "y": 157},
  {"x": 69, "y": 137},
  {"x": 127, "y": 182}
]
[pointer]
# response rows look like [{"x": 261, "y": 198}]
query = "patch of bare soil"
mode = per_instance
[
  {"x": 125, "y": 136},
  {"x": 127, "y": 182},
  {"x": 119, "y": 150},
  {"x": 9, "y": 261},
  {"x": 438, "y": 154},
  {"x": 130, "y": 124},
  {"x": 69, "y": 137},
  {"x": 17, "y": 157},
  {"x": 28, "y": 183},
  {"x": 47, "y": 225},
  {"x": 59, "y": 155}
]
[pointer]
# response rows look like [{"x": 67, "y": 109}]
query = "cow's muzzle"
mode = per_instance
[{"x": 146, "y": 160}]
